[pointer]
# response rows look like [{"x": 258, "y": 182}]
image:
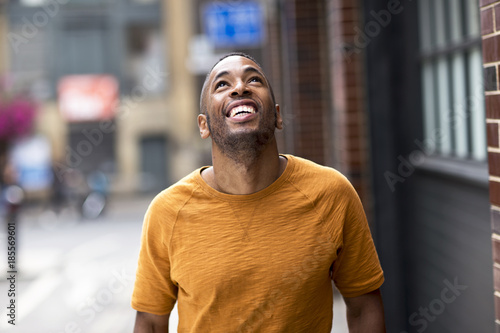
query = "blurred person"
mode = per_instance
[
  {"x": 57, "y": 194},
  {"x": 94, "y": 203},
  {"x": 12, "y": 194},
  {"x": 252, "y": 243}
]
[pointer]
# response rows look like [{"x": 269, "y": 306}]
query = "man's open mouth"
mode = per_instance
[{"x": 241, "y": 111}]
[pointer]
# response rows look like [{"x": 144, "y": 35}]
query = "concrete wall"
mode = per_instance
[{"x": 3, "y": 39}]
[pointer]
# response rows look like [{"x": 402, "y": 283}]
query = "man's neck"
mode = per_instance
[{"x": 244, "y": 176}]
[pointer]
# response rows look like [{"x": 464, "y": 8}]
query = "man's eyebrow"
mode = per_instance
[
  {"x": 247, "y": 69},
  {"x": 220, "y": 75},
  {"x": 253, "y": 69}
]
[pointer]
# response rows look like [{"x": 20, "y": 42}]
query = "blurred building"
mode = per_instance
[
  {"x": 144, "y": 141},
  {"x": 3, "y": 36},
  {"x": 391, "y": 93}
]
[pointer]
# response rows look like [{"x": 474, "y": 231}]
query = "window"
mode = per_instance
[
  {"x": 452, "y": 78},
  {"x": 28, "y": 60},
  {"x": 103, "y": 37},
  {"x": 144, "y": 55},
  {"x": 143, "y": 2}
]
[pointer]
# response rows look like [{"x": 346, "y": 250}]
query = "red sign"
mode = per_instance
[{"x": 88, "y": 97}]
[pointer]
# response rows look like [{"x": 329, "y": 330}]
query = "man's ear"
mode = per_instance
[
  {"x": 279, "y": 120},
  {"x": 203, "y": 126}
]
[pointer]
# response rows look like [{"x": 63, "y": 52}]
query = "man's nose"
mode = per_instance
[{"x": 240, "y": 89}]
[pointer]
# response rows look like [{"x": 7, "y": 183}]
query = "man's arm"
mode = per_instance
[
  {"x": 151, "y": 323},
  {"x": 365, "y": 313}
]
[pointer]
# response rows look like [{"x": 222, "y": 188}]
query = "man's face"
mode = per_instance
[{"x": 240, "y": 112}]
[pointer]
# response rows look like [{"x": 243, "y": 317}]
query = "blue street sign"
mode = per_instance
[{"x": 234, "y": 23}]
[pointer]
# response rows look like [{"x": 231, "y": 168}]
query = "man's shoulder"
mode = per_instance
[
  {"x": 326, "y": 188},
  {"x": 309, "y": 172},
  {"x": 177, "y": 194}
]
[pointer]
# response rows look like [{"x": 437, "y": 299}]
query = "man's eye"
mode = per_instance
[
  {"x": 256, "y": 79},
  {"x": 220, "y": 84}
]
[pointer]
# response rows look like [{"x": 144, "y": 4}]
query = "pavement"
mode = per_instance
[{"x": 76, "y": 276}]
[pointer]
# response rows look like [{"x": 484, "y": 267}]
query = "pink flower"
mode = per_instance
[{"x": 16, "y": 118}]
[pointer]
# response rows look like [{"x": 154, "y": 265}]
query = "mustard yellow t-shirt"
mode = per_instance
[{"x": 256, "y": 263}]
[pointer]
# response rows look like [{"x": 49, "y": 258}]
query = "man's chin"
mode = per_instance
[{"x": 244, "y": 140}]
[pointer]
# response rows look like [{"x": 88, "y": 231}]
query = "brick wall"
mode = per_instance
[
  {"x": 272, "y": 61},
  {"x": 305, "y": 107},
  {"x": 490, "y": 29},
  {"x": 323, "y": 87},
  {"x": 347, "y": 95}
]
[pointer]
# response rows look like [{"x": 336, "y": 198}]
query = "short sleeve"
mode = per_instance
[
  {"x": 357, "y": 270},
  {"x": 154, "y": 292}
]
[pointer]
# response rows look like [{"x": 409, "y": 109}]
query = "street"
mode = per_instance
[{"x": 76, "y": 276}]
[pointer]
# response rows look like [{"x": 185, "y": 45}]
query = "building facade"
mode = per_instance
[
  {"x": 3, "y": 36},
  {"x": 392, "y": 93},
  {"x": 143, "y": 45},
  {"x": 490, "y": 31}
]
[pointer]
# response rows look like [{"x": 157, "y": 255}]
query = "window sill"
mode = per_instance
[{"x": 462, "y": 170}]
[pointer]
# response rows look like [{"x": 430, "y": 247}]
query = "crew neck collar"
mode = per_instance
[{"x": 247, "y": 197}]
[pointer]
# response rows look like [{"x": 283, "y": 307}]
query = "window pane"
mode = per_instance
[
  {"x": 456, "y": 24},
  {"x": 85, "y": 51},
  {"x": 143, "y": 2},
  {"x": 429, "y": 90},
  {"x": 444, "y": 106},
  {"x": 473, "y": 24},
  {"x": 476, "y": 104},
  {"x": 460, "y": 107},
  {"x": 425, "y": 27},
  {"x": 439, "y": 23},
  {"x": 145, "y": 57},
  {"x": 29, "y": 63}
]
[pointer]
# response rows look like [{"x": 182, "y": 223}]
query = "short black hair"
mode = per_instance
[{"x": 231, "y": 54}]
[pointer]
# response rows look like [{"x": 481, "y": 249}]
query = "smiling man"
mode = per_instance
[{"x": 252, "y": 243}]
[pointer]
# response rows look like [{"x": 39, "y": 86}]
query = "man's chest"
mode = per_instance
[{"x": 247, "y": 247}]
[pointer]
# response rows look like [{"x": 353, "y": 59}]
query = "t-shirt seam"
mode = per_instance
[
  {"x": 175, "y": 224},
  {"x": 247, "y": 200},
  {"x": 320, "y": 216},
  {"x": 369, "y": 288}
]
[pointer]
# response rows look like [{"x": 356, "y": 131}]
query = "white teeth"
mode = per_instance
[{"x": 241, "y": 108}]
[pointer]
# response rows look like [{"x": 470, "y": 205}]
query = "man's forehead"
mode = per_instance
[{"x": 232, "y": 63}]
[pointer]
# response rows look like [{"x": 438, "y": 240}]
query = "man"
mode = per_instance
[{"x": 252, "y": 243}]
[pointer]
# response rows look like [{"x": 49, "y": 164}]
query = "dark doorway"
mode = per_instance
[{"x": 153, "y": 163}]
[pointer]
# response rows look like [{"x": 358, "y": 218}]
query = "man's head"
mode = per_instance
[
  {"x": 203, "y": 106},
  {"x": 238, "y": 108}
]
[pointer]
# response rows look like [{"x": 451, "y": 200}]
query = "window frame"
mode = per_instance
[{"x": 450, "y": 52}]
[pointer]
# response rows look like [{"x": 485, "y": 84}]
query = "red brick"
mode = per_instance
[
  {"x": 491, "y": 49},
  {"x": 494, "y": 163},
  {"x": 496, "y": 278},
  {"x": 483, "y": 3},
  {"x": 497, "y": 17},
  {"x": 495, "y": 221},
  {"x": 490, "y": 78},
  {"x": 493, "y": 106},
  {"x": 497, "y": 307},
  {"x": 496, "y": 251},
  {"x": 492, "y": 134},
  {"x": 495, "y": 193},
  {"x": 487, "y": 22}
]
